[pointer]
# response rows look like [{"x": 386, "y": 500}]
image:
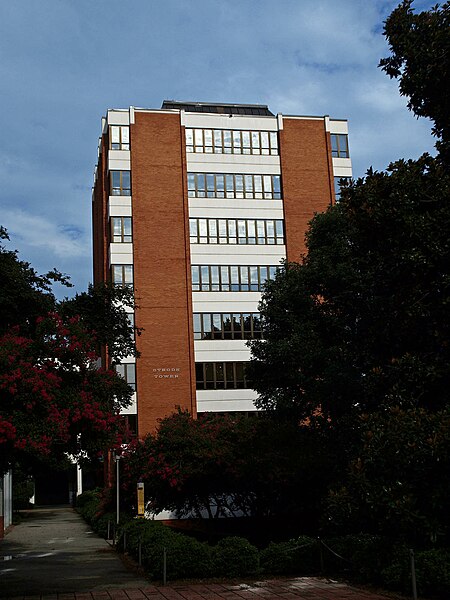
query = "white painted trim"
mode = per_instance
[
  {"x": 233, "y": 163},
  {"x": 119, "y": 206},
  {"x": 338, "y": 126},
  {"x": 225, "y": 204},
  {"x": 236, "y": 122},
  {"x": 230, "y": 254},
  {"x": 226, "y": 400},
  {"x": 236, "y": 213},
  {"x": 118, "y": 116}
]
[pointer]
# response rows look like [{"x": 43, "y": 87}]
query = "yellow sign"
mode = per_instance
[{"x": 140, "y": 499}]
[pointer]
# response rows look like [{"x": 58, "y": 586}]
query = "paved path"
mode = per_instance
[
  {"x": 54, "y": 550},
  {"x": 53, "y": 555}
]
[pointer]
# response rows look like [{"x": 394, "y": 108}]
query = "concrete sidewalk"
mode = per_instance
[
  {"x": 53, "y": 555},
  {"x": 53, "y": 550}
]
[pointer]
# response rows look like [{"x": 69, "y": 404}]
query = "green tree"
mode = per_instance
[{"x": 54, "y": 399}]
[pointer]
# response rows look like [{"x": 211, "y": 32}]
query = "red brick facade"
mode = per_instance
[{"x": 161, "y": 269}]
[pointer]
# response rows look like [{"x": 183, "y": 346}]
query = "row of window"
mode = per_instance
[
  {"x": 231, "y": 326},
  {"x": 120, "y": 183},
  {"x": 224, "y": 141},
  {"x": 339, "y": 145},
  {"x": 119, "y": 137},
  {"x": 221, "y": 376},
  {"x": 220, "y": 185},
  {"x": 236, "y": 231},
  {"x": 128, "y": 372},
  {"x": 337, "y": 185},
  {"x": 226, "y": 278},
  {"x": 122, "y": 275},
  {"x": 121, "y": 230}
]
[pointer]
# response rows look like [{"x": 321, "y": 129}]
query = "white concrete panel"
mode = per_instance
[
  {"x": 342, "y": 172},
  {"x": 338, "y": 126},
  {"x": 132, "y": 409},
  {"x": 225, "y": 400},
  {"x": 117, "y": 163},
  {"x": 219, "y": 345},
  {"x": 233, "y": 163},
  {"x": 230, "y": 254},
  {"x": 218, "y": 206},
  {"x": 119, "y": 206},
  {"x": 238, "y": 213},
  {"x": 249, "y": 123},
  {"x": 121, "y": 254},
  {"x": 242, "y": 355},
  {"x": 225, "y": 301},
  {"x": 345, "y": 163},
  {"x": 118, "y": 117}
]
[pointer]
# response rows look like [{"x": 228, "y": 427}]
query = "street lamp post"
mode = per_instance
[{"x": 117, "y": 490}]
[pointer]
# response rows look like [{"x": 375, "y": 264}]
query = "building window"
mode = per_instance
[
  {"x": 120, "y": 183},
  {"x": 226, "y": 278},
  {"x": 337, "y": 185},
  {"x": 227, "y": 326},
  {"x": 121, "y": 230},
  {"x": 339, "y": 145},
  {"x": 122, "y": 275},
  {"x": 236, "y": 231},
  {"x": 233, "y": 185},
  {"x": 224, "y": 141},
  {"x": 119, "y": 137},
  {"x": 221, "y": 376},
  {"x": 128, "y": 372}
]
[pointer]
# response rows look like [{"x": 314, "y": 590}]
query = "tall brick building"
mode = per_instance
[{"x": 194, "y": 206}]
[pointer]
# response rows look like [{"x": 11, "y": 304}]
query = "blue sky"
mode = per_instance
[{"x": 63, "y": 63}]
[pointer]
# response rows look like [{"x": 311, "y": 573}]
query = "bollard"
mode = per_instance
[
  {"x": 139, "y": 552},
  {"x": 413, "y": 574},
  {"x": 164, "y": 566},
  {"x": 322, "y": 562}
]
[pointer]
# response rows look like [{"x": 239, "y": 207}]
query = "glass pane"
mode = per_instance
[
  {"x": 210, "y": 182},
  {"x": 258, "y": 183},
  {"x": 262, "y": 274},
  {"x": 237, "y": 330},
  {"x": 198, "y": 137},
  {"x": 208, "y": 137},
  {"x": 128, "y": 270},
  {"x": 217, "y": 325},
  {"x": 255, "y": 139},
  {"x": 200, "y": 182},
  {"x": 131, "y": 374},
  {"x": 334, "y": 144},
  {"x": 117, "y": 227},
  {"x": 127, "y": 231},
  {"x": 197, "y": 324},
  {"x": 272, "y": 272},
  {"x": 239, "y": 374},
  {"x": 189, "y": 137},
  {"x": 191, "y": 181},
  {"x": 202, "y": 227},
  {"x": 268, "y": 184},
  {"x": 115, "y": 135},
  {"x": 220, "y": 183},
  {"x": 205, "y": 274},
  {"x": 120, "y": 370},
  {"x": 195, "y": 274},
  {"x": 220, "y": 381},
  {"x": 126, "y": 180},
  {"x": 226, "y": 321},
  {"x": 276, "y": 183},
  {"x": 229, "y": 373},
  {"x": 254, "y": 275},
  {"x": 227, "y": 139},
  {"x": 125, "y": 133},
  {"x": 241, "y": 229},
  {"x": 234, "y": 275},
  {"x": 270, "y": 228},
  {"x": 209, "y": 375},
  {"x": 249, "y": 184},
  {"x": 117, "y": 274},
  {"x": 230, "y": 183},
  {"x": 199, "y": 376},
  {"x": 115, "y": 179},
  {"x": 244, "y": 274},
  {"x": 217, "y": 138},
  {"x": 212, "y": 224},
  {"x": 261, "y": 229},
  {"x": 246, "y": 139},
  {"x": 207, "y": 327},
  {"x": 264, "y": 139},
  {"x": 273, "y": 139},
  {"x": 232, "y": 228},
  {"x": 224, "y": 275},
  {"x": 239, "y": 183},
  {"x": 214, "y": 274},
  {"x": 193, "y": 227},
  {"x": 222, "y": 228},
  {"x": 251, "y": 229},
  {"x": 279, "y": 228}
]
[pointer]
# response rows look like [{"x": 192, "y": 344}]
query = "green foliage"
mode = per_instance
[
  {"x": 420, "y": 57},
  {"x": 395, "y": 483},
  {"x": 235, "y": 557},
  {"x": 186, "y": 557},
  {"x": 432, "y": 573},
  {"x": 220, "y": 466},
  {"x": 296, "y": 557}
]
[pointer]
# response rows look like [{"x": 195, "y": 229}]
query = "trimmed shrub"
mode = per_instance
[
  {"x": 235, "y": 557},
  {"x": 299, "y": 556},
  {"x": 432, "y": 573}
]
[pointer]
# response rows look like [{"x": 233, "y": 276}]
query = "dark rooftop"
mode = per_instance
[{"x": 223, "y": 109}]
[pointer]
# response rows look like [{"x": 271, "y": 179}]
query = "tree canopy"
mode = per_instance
[{"x": 54, "y": 397}]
